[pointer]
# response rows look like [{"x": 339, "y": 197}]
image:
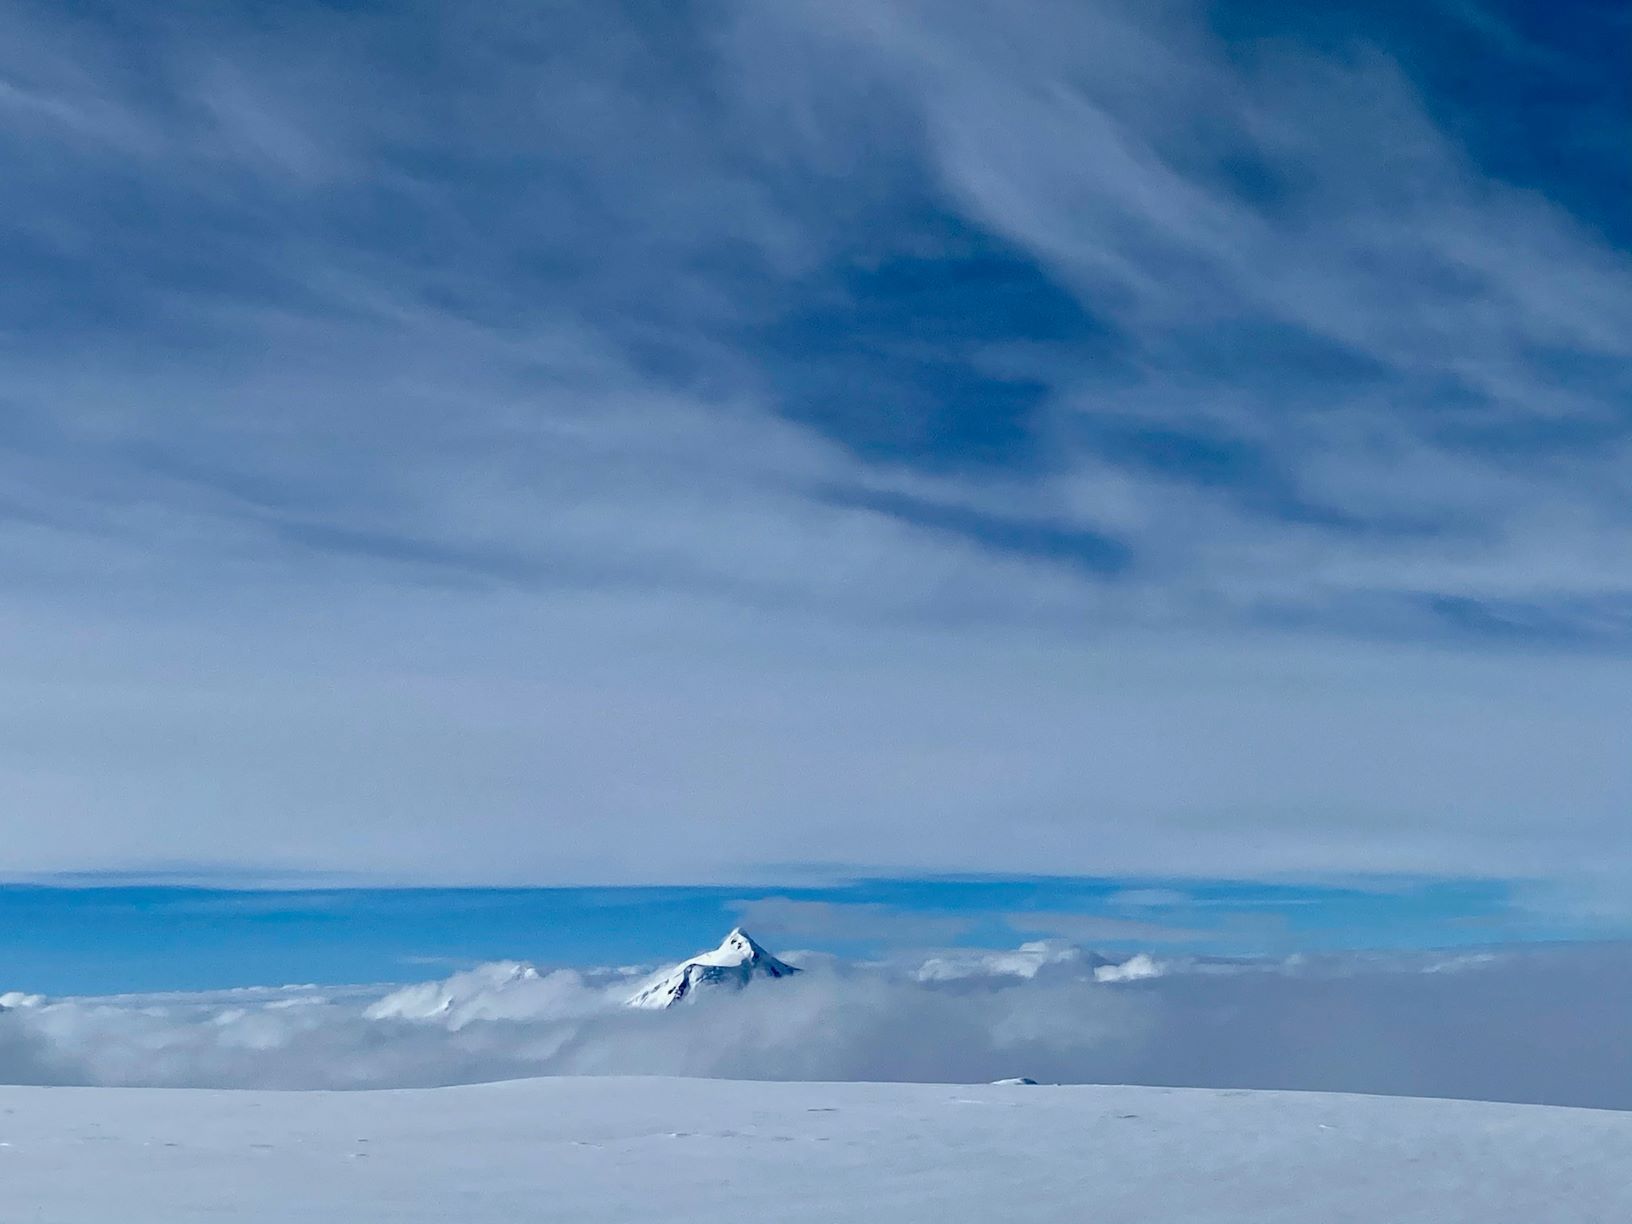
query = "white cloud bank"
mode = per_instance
[{"x": 1521, "y": 1024}]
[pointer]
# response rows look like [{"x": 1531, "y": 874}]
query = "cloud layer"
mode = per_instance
[{"x": 1536, "y": 1024}]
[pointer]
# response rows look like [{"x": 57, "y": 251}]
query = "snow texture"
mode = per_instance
[{"x": 605, "y": 1151}]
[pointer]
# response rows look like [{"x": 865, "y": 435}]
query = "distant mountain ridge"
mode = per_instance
[{"x": 732, "y": 965}]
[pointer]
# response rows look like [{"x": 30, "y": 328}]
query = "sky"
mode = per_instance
[
  {"x": 742, "y": 444},
  {"x": 90, "y": 936}
]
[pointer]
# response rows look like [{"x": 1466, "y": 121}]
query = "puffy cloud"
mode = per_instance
[
  {"x": 1026, "y": 961},
  {"x": 499, "y": 990},
  {"x": 1135, "y": 969}
]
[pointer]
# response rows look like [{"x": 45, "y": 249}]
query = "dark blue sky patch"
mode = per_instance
[
  {"x": 1257, "y": 180},
  {"x": 911, "y": 357},
  {"x": 1093, "y": 552},
  {"x": 1190, "y": 457},
  {"x": 1538, "y": 93},
  {"x": 1301, "y": 368}
]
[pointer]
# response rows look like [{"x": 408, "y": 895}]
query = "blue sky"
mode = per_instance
[
  {"x": 704, "y": 443},
  {"x": 96, "y": 936}
]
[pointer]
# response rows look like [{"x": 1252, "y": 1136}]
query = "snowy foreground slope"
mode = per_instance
[{"x": 591, "y": 1151}]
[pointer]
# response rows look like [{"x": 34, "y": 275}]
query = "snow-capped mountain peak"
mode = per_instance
[{"x": 736, "y": 962}]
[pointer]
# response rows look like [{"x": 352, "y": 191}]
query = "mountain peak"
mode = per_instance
[
  {"x": 733, "y": 964},
  {"x": 740, "y": 941}
]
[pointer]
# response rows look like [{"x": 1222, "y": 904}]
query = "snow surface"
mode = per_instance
[{"x": 595, "y": 1151}]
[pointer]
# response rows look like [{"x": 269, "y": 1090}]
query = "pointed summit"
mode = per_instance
[
  {"x": 733, "y": 964},
  {"x": 739, "y": 942}
]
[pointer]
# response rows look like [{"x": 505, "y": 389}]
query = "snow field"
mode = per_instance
[{"x": 603, "y": 1150}]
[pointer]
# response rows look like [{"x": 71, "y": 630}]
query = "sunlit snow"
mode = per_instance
[{"x": 608, "y": 1151}]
